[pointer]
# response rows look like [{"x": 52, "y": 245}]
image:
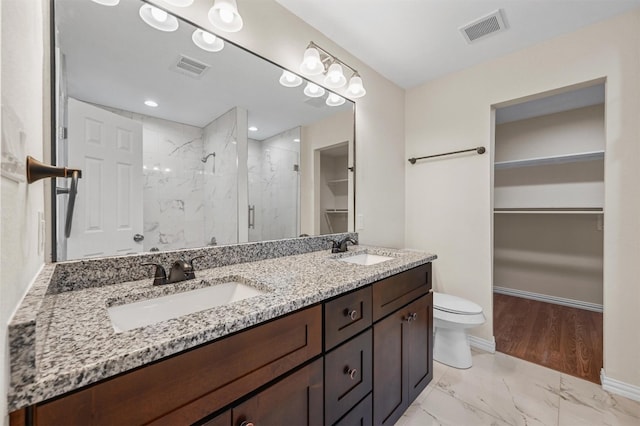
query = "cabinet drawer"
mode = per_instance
[
  {"x": 191, "y": 385},
  {"x": 294, "y": 400},
  {"x": 360, "y": 415},
  {"x": 396, "y": 291},
  {"x": 348, "y": 376},
  {"x": 346, "y": 316}
]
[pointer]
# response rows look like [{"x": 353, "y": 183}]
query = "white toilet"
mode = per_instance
[{"x": 452, "y": 316}]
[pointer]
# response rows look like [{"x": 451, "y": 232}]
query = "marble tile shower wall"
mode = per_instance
[
  {"x": 273, "y": 185},
  {"x": 187, "y": 203},
  {"x": 221, "y": 182}
]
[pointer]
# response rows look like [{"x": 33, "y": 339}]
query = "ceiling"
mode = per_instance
[{"x": 414, "y": 41}]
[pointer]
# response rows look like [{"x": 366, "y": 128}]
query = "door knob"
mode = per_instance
[{"x": 138, "y": 237}]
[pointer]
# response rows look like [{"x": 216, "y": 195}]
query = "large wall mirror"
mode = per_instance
[{"x": 183, "y": 144}]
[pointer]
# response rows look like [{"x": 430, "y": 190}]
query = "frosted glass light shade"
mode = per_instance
[
  {"x": 334, "y": 100},
  {"x": 224, "y": 16},
  {"x": 356, "y": 89},
  {"x": 107, "y": 2},
  {"x": 311, "y": 63},
  {"x": 335, "y": 77},
  {"x": 158, "y": 18},
  {"x": 313, "y": 90},
  {"x": 207, "y": 41},
  {"x": 180, "y": 3},
  {"x": 289, "y": 79}
]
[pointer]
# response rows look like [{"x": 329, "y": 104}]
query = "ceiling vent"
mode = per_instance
[
  {"x": 190, "y": 66},
  {"x": 492, "y": 23}
]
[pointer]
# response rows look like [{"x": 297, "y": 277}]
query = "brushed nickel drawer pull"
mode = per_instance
[
  {"x": 351, "y": 372},
  {"x": 352, "y": 314},
  {"x": 246, "y": 423},
  {"x": 411, "y": 317}
]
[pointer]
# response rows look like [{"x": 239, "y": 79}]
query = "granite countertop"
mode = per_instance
[{"x": 75, "y": 343}]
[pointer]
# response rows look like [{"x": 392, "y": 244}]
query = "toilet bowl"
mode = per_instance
[{"x": 452, "y": 316}]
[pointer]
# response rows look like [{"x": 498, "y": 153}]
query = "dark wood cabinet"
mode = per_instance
[
  {"x": 348, "y": 376},
  {"x": 294, "y": 400},
  {"x": 403, "y": 360},
  {"x": 358, "y": 359},
  {"x": 360, "y": 415}
]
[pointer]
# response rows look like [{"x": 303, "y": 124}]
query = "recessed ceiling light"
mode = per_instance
[
  {"x": 253, "y": 129},
  {"x": 150, "y": 103},
  {"x": 107, "y": 2},
  {"x": 296, "y": 140},
  {"x": 180, "y": 3}
]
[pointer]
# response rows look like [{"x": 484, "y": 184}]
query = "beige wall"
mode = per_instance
[
  {"x": 331, "y": 131},
  {"x": 22, "y": 97},
  {"x": 449, "y": 201},
  {"x": 276, "y": 34}
]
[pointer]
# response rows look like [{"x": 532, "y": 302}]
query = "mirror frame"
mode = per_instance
[{"x": 55, "y": 132}]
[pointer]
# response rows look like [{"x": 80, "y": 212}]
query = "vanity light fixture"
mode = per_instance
[
  {"x": 318, "y": 61},
  {"x": 335, "y": 100},
  {"x": 224, "y": 16},
  {"x": 207, "y": 41},
  {"x": 107, "y": 2},
  {"x": 180, "y": 3},
  {"x": 150, "y": 103},
  {"x": 158, "y": 18},
  {"x": 313, "y": 90},
  {"x": 356, "y": 89},
  {"x": 335, "y": 76},
  {"x": 289, "y": 79}
]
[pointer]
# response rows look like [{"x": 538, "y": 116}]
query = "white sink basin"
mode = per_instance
[
  {"x": 365, "y": 259},
  {"x": 150, "y": 311}
]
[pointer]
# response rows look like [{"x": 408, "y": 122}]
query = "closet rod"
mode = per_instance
[{"x": 479, "y": 150}]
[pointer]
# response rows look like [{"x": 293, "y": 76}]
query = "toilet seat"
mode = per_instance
[{"x": 455, "y": 305}]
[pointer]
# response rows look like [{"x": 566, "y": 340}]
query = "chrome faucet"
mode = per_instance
[
  {"x": 340, "y": 246},
  {"x": 181, "y": 270}
]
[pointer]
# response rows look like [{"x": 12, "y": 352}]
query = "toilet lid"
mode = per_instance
[{"x": 454, "y": 304}]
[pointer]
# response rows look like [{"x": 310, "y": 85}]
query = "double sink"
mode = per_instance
[{"x": 150, "y": 311}]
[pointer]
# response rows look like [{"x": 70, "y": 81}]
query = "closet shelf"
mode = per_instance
[
  {"x": 336, "y": 211},
  {"x": 337, "y": 181},
  {"x": 556, "y": 159},
  {"x": 596, "y": 210}
]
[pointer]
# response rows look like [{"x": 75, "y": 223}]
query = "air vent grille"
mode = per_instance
[
  {"x": 191, "y": 66},
  {"x": 482, "y": 27}
]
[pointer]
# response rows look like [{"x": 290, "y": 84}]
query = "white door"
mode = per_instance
[{"x": 108, "y": 211}]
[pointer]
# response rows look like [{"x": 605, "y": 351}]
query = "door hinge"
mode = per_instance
[{"x": 62, "y": 133}]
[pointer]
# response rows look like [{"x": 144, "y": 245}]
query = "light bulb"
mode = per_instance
[
  {"x": 335, "y": 77},
  {"x": 208, "y": 37},
  {"x": 226, "y": 15},
  {"x": 356, "y": 88},
  {"x": 311, "y": 63},
  {"x": 289, "y": 79},
  {"x": 334, "y": 100},
  {"x": 313, "y": 90},
  {"x": 158, "y": 14}
]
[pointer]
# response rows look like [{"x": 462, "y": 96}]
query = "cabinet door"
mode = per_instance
[
  {"x": 360, "y": 415},
  {"x": 419, "y": 339},
  {"x": 389, "y": 375},
  {"x": 294, "y": 400}
]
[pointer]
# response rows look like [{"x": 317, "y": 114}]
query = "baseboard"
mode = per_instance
[
  {"x": 619, "y": 388},
  {"x": 483, "y": 344},
  {"x": 549, "y": 299}
]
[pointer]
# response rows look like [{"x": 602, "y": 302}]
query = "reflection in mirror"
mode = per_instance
[{"x": 186, "y": 140}]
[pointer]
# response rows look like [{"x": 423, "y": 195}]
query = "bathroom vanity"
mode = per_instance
[{"x": 327, "y": 342}]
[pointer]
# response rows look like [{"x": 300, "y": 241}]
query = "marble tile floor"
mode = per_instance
[{"x": 502, "y": 390}]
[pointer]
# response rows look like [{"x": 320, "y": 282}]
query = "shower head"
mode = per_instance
[{"x": 206, "y": 157}]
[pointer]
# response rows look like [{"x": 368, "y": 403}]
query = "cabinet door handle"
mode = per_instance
[
  {"x": 351, "y": 372},
  {"x": 353, "y": 314},
  {"x": 411, "y": 317},
  {"x": 246, "y": 423}
]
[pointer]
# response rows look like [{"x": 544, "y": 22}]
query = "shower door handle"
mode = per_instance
[{"x": 252, "y": 216}]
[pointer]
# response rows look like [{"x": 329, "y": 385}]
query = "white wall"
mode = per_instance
[
  {"x": 449, "y": 200},
  {"x": 22, "y": 27},
  {"x": 276, "y": 34}
]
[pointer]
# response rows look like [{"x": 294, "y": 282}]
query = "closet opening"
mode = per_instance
[
  {"x": 548, "y": 205},
  {"x": 334, "y": 188}
]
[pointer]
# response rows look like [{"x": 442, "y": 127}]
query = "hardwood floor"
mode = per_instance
[{"x": 559, "y": 337}]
